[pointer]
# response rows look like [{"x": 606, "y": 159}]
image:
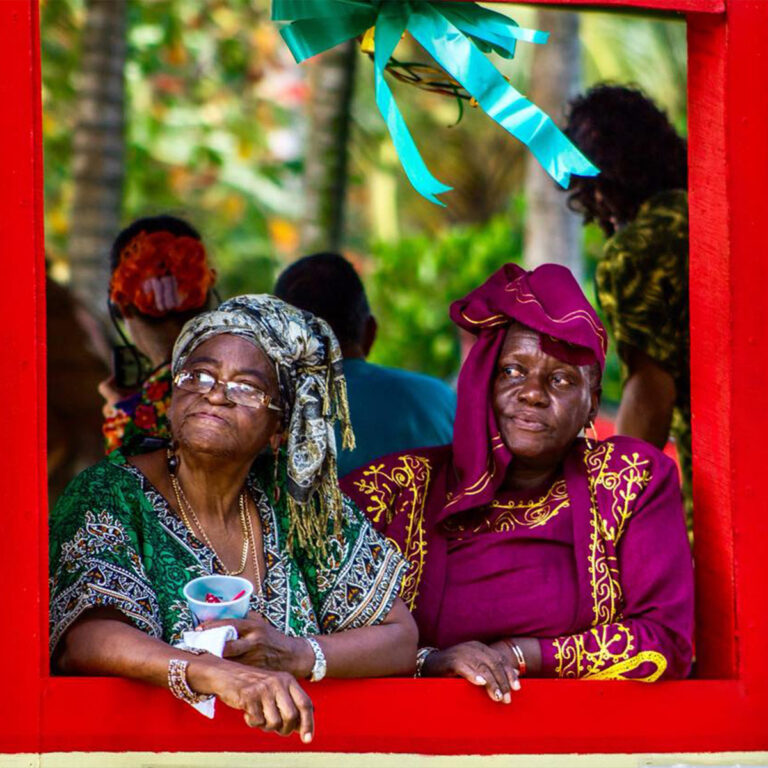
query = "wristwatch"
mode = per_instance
[{"x": 319, "y": 669}]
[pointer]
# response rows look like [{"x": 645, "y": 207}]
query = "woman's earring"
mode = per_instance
[
  {"x": 590, "y": 443},
  {"x": 172, "y": 461}
]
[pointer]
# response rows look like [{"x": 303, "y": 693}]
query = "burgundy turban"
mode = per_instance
[{"x": 548, "y": 300}]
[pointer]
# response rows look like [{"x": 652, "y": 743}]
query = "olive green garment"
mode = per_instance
[{"x": 642, "y": 287}]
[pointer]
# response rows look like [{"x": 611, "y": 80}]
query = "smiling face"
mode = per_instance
[
  {"x": 210, "y": 423},
  {"x": 541, "y": 403}
]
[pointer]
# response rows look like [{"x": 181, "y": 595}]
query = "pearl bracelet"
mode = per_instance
[{"x": 178, "y": 685}]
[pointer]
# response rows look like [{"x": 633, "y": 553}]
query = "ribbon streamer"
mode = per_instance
[{"x": 457, "y": 37}]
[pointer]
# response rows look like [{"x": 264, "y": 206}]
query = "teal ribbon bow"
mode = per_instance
[{"x": 456, "y": 36}]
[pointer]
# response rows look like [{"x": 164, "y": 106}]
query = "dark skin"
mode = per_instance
[
  {"x": 361, "y": 348},
  {"x": 541, "y": 405},
  {"x": 647, "y": 399},
  {"x": 217, "y": 441}
]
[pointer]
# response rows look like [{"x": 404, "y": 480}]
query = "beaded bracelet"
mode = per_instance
[
  {"x": 421, "y": 657},
  {"x": 178, "y": 685}
]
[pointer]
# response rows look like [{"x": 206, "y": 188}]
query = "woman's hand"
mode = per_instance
[
  {"x": 272, "y": 701},
  {"x": 102, "y": 642},
  {"x": 259, "y": 644},
  {"x": 480, "y": 664}
]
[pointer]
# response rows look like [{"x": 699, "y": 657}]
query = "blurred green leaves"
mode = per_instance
[{"x": 413, "y": 282}]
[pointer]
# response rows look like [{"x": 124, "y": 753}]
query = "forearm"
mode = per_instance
[
  {"x": 530, "y": 647},
  {"x": 388, "y": 648},
  {"x": 647, "y": 402},
  {"x": 99, "y": 645}
]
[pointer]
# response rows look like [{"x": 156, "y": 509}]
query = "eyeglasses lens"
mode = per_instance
[{"x": 236, "y": 392}]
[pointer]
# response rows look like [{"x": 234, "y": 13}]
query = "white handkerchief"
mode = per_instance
[{"x": 213, "y": 641}]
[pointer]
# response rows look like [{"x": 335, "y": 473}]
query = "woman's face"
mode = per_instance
[
  {"x": 541, "y": 403},
  {"x": 212, "y": 424}
]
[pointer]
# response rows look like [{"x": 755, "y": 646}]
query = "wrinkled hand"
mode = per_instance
[
  {"x": 480, "y": 664},
  {"x": 272, "y": 701},
  {"x": 259, "y": 644}
]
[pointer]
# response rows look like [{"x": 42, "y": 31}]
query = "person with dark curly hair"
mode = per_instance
[{"x": 640, "y": 202}]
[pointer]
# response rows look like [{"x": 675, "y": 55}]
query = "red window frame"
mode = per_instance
[{"x": 725, "y": 709}]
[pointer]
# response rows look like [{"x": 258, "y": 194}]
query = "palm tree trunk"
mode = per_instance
[
  {"x": 325, "y": 174},
  {"x": 552, "y": 232},
  {"x": 98, "y": 150}
]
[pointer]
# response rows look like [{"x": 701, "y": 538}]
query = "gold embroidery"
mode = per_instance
[
  {"x": 605, "y": 653},
  {"x": 477, "y": 487},
  {"x": 487, "y": 322},
  {"x": 617, "y": 671},
  {"x": 624, "y": 486},
  {"x": 608, "y": 651},
  {"x": 527, "y": 514},
  {"x": 408, "y": 481},
  {"x": 526, "y": 297}
]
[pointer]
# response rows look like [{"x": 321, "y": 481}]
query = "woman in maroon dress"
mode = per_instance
[{"x": 532, "y": 550}]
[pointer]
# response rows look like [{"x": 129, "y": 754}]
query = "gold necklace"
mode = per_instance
[
  {"x": 182, "y": 501},
  {"x": 255, "y": 556}
]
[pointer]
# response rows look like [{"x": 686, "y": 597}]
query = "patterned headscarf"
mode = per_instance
[
  {"x": 313, "y": 392},
  {"x": 549, "y": 300}
]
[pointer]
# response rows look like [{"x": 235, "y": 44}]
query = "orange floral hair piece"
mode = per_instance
[{"x": 161, "y": 254}]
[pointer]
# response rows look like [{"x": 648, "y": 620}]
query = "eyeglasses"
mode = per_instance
[{"x": 239, "y": 392}]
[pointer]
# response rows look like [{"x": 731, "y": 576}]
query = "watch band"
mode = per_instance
[{"x": 320, "y": 668}]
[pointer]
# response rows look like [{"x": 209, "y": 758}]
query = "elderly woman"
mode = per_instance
[
  {"x": 533, "y": 551},
  {"x": 129, "y": 533}
]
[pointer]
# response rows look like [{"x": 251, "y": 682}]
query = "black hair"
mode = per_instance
[
  {"x": 634, "y": 145},
  {"x": 150, "y": 224},
  {"x": 327, "y": 285}
]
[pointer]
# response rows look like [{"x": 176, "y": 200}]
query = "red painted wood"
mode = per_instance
[
  {"x": 710, "y": 292},
  {"x": 425, "y": 716},
  {"x": 746, "y": 117},
  {"x": 22, "y": 386},
  {"x": 729, "y": 278},
  {"x": 675, "y": 6}
]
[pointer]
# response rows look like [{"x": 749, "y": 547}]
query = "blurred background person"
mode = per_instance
[
  {"x": 640, "y": 202},
  {"x": 391, "y": 409},
  {"x": 160, "y": 279},
  {"x": 77, "y": 361}
]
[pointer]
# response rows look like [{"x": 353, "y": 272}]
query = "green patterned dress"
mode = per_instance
[
  {"x": 115, "y": 541},
  {"x": 642, "y": 287}
]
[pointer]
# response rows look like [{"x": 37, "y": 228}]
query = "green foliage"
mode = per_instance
[
  {"x": 415, "y": 280},
  {"x": 205, "y": 101},
  {"x": 198, "y": 126},
  {"x": 60, "y": 22}
]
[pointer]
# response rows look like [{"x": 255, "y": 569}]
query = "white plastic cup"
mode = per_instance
[{"x": 226, "y": 587}]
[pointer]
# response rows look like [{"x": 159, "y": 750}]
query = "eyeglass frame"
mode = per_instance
[{"x": 266, "y": 398}]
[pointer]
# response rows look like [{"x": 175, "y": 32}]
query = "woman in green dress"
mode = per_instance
[{"x": 128, "y": 534}]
